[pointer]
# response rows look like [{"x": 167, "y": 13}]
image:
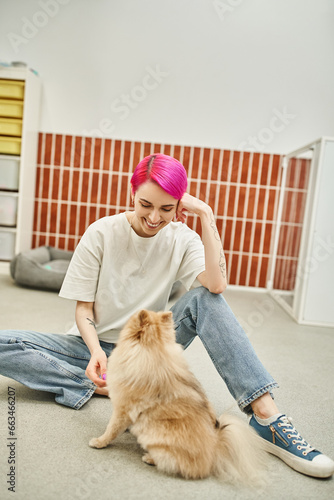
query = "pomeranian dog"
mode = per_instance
[{"x": 156, "y": 396}]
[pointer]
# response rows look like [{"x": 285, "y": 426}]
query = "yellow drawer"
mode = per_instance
[
  {"x": 13, "y": 89},
  {"x": 10, "y": 145},
  {"x": 11, "y": 126},
  {"x": 12, "y": 109}
]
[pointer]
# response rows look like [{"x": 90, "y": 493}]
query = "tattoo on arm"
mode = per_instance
[
  {"x": 214, "y": 228},
  {"x": 222, "y": 262},
  {"x": 91, "y": 322}
]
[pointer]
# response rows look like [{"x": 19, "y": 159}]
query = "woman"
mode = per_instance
[{"x": 131, "y": 261}]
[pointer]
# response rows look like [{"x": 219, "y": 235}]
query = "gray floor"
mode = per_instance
[{"x": 53, "y": 457}]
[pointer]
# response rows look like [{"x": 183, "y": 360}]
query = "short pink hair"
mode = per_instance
[{"x": 166, "y": 171}]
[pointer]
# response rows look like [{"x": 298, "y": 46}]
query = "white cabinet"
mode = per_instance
[
  {"x": 310, "y": 299},
  {"x": 20, "y": 91}
]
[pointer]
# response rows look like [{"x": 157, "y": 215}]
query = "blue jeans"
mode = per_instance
[
  {"x": 207, "y": 315},
  {"x": 57, "y": 363}
]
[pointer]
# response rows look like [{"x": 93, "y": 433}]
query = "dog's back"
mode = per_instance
[{"x": 180, "y": 434}]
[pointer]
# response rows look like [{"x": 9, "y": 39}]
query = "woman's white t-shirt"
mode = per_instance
[{"x": 122, "y": 272}]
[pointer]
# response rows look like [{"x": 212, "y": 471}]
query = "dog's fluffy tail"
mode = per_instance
[{"x": 240, "y": 455}]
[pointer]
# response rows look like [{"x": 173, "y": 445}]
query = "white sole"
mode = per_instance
[{"x": 300, "y": 464}]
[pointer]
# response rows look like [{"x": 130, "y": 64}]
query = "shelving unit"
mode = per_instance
[{"x": 20, "y": 91}]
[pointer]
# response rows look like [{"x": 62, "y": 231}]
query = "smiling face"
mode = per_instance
[{"x": 154, "y": 209}]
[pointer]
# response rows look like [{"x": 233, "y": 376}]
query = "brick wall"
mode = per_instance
[{"x": 81, "y": 179}]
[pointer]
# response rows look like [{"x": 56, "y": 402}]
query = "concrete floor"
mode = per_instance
[{"x": 53, "y": 457}]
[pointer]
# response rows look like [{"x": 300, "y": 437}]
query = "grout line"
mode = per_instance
[
  {"x": 99, "y": 186},
  {"x": 41, "y": 179},
  {"x": 69, "y": 191},
  {"x": 252, "y": 238},
  {"x": 263, "y": 227},
  {"x": 120, "y": 172}
]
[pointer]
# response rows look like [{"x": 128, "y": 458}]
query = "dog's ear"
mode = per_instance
[
  {"x": 143, "y": 317},
  {"x": 167, "y": 317}
]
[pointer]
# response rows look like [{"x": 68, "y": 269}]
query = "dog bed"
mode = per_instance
[{"x": 44, "y": 268}]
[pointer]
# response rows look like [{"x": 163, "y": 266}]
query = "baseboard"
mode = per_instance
[
  {"x": 242, "y": 288},
  {"x": 4, "y": 268}
]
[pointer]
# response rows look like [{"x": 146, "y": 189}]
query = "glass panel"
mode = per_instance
[{"x": 291, "y": 224}]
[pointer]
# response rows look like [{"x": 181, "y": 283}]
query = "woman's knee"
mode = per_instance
[
  {"x": 9, "y": 335},
  {"x": 198, "y": 300},
  {"x": 17, "y": 336},
  {"x": 203, "y": 294}
]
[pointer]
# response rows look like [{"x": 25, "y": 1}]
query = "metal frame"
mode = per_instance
[{"x": 299, "y": 293}]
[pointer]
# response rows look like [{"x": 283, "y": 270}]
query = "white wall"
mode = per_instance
[{"x": 228, "y": 70}]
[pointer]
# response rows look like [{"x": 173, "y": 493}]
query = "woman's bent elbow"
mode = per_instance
[{"x": 217, "y": 289}]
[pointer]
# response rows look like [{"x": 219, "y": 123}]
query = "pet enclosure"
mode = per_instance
[{"x": 302, "y": 272}]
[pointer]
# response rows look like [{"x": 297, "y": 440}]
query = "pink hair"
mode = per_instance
[{"x": 166, "y": 171}]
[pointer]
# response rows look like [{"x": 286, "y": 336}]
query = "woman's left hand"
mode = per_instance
[{"x": 192, "y": 205}]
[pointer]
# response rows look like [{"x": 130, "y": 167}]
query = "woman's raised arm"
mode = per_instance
[{"x": 214, "y": 276}]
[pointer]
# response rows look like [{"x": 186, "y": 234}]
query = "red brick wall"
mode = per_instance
[
  {"x": 294, "y": 200},
  {"x": 82, "y": 179}
]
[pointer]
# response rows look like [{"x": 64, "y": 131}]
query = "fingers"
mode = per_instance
[
  {"x": 191, "y": 205},
  {"x": 182, "y": 209},
  {"x": 187, "y": 204},
  {"x": 181, "y": 215},
  {"x": 102, "y": 371},
  {"x": 95, "y": 377},
  {"x": 96, "y": 369}
]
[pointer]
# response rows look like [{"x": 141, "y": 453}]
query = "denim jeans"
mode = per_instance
[
  {"x": 56, "y": 363},
  {"x": 207, "y": 315},
  {"x": 49, "y": 362}
]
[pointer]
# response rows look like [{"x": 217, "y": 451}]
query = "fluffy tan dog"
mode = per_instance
[{"x": 154, "y": 394}]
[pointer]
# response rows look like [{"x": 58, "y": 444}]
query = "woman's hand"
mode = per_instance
[
  {"x": 97, "y": 367},
  {"x": 190, "y": 204}
]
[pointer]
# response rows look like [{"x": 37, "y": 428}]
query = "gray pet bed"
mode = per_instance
[{"x": 43, "y": 267}]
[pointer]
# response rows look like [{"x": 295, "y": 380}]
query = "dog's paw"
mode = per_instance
[
  {"x": 148, "y": 459},
  {"x": 97, "y": 443}
]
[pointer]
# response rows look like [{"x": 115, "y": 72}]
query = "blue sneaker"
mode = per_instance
[{"x": 282, "y": 439}]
